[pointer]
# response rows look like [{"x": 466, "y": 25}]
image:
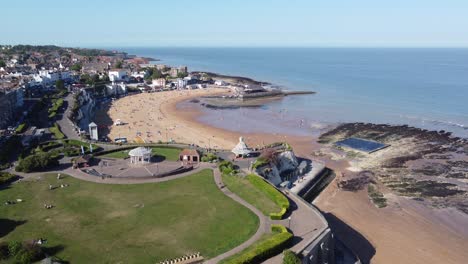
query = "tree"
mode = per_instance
[
  {"x": 118, "y": 64},
  {"x": 60, "y": 85},
  {"x": 156, "y": 74},
  {"x": 182, "y": 74},
  {"x": 2, "y": 63},
  {"x": 76, "y": 67},
  {"x": 37, "y": 162}
]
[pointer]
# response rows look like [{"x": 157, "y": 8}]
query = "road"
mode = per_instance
[{"x": 66, "y": 125}]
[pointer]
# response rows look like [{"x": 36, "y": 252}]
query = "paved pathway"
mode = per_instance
[
  {"x": 263, "y": 228},
  {"x": 305, "y": 221},
  {"x": 75, "y": 173},
  {"x": 66, "y": 125}
]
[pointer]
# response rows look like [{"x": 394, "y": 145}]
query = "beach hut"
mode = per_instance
[
  {"x": 189, "y": 156},
  {"x": 140, "y": 155},
  {"x": 241, "y": 149}
]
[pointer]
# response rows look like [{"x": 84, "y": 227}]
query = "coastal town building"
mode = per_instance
[
  {"x": 161, "y": 82},
  {"x": 11, "y": 102},
  {"x": 116, "y": 75},
  {"x": 49, "y": 77},
  {"x": 220, "y": 83},
  {"x": 174, "y": 72},
  {"x": 115, "y": 89},
  {"x": 181, "y": 83}
]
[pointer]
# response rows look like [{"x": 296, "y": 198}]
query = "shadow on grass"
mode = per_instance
[
  {"x": 351, "y": 238},
  {"x": 7, "y": 226},
  {"x": 54, "y": 250}
]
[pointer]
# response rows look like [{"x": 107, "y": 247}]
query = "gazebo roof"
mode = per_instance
[
  {"x": 241, "y": 148},
  {"x": 139, "y": 152}
]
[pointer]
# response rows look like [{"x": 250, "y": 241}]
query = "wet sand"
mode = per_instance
[{"x": 403, "y": 232}]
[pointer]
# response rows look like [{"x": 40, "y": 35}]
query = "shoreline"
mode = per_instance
[{"x": 370, "y": 231}]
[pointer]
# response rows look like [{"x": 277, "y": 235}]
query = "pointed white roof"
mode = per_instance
[
  {"x": 92, "y": 124},
  {"x": 140, "y": 152},
  {"x": 241, "y": 148}
]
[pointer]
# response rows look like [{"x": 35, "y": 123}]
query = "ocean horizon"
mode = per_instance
[{"x": 421, "y": 87}]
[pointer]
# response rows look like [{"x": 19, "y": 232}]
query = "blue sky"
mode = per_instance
[{"x": 324, "y": 23}]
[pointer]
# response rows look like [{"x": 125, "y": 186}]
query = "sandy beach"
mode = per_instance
[{"x": 403, "y": 232}]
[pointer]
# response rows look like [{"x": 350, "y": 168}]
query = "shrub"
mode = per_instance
[
  {"x": 208, "y": 157},
  {"x": 56, "y": 131},
  {"x": 37, "y": 162},
  {"x": 226, "y": 167},
  {"x": 14, "y": 247},
  {"x": 6, "y": 177},
  {"x": 290, "y": 257},
  {"x": 260, "y": 162},
  {"x": 265, "y": 249},
  {"x": 20, "y": 253},
  {"x": 276, "y": 196},
  {"x": 21, "y": 128},
  {"x": 76, "y": 145}
]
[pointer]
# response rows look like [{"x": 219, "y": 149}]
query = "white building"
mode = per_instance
[
  {"x": 47, "y": 77},
  {"x": 93, "y": 131},
  {"x": 116, "y": 88},
  {"x": 220, "y": 83},
  {"x": 140, "y": 155},
  {"x": 117, "y": 75},
  {"x": 161, "y": 82},
  {"x": 181, "y": 83},
  {"x": 140, "y": 74},
  {"x": 241, "y": 149}
]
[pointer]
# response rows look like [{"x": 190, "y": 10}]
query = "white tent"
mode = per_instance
[
  {"x": 241, "y": 148},
  {"x": 140, "y": 155}
]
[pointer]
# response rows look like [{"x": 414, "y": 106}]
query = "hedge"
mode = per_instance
[
  {"x": 265, "y": 249},
  {"x": 21, "y": 128},
  {"x": 56, "y": 131},
  {"x": 276, "y": 196},
  {"x": 6, "y": 177}
]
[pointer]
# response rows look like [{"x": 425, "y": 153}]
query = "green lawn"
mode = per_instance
[
  {"x": 171, "y": 154},
  {"x": 142, "y": 223},
  {"x": 117, "y": 154},
  {"x": 254, "y": 196}
]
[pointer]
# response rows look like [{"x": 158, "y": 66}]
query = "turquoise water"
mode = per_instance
[{"x": 427, "y": 88}]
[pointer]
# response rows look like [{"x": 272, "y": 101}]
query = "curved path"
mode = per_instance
[
  {"x": 264, "y": 222},
  {"x": 262, "y": 229}
]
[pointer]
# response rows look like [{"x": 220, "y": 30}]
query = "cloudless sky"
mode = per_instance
[{"x": 351, "y": 23}]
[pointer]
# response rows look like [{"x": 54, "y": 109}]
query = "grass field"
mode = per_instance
[
  {"x": 142, "y": 223},
  {"x": 254, "y": 196},
  {"x": 171, "y": 154}
]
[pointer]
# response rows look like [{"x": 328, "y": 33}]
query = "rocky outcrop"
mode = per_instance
[{"x": 279, "y": 162}]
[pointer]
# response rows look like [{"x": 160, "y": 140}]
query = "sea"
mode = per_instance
[{"x": 421, "y": 87}]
